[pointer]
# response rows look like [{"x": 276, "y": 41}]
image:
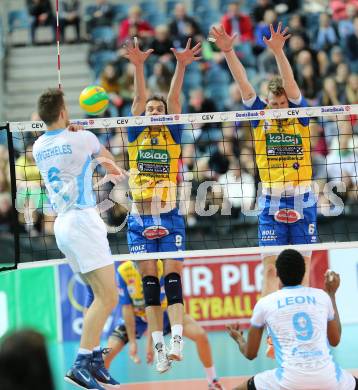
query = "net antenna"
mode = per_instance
[{"x": 58, "y": 37}]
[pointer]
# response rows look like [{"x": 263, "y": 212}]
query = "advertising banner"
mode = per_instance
[
  {"x": 73, "y": 295},
  {"x": 28, "y": 299},
  {"x": 345, "y": 262},
  {"x": 222, "y": 290}
]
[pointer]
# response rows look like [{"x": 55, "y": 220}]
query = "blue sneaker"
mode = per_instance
[
  {"x": 100, "y": 372},
  {"x": 80, "y": 376}
]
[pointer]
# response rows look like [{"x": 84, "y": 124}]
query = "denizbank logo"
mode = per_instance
[
  {"x": 283, "y": 139},
  {"x": 4, "y": 321},
  {"x": 153, "y": 156}
]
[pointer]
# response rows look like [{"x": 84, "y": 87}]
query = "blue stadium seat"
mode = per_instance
[
  {"x": 89, "y": 10},
  {"x": 100, "y": 59},
  {"x": 170, "y": 6},
  {"x": 103, "y": 34},
  {"x": 156, "y": 18},
  {"x": 120, "y": 12},
  {"x": 18, "y": 19},
  {"x": 149, "y": 7},
  {"x": 219, "y": 93},
  {"x": 217, "y": 75}
]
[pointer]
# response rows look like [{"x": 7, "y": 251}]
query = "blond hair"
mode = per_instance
[{"x": 275, "y": 86}]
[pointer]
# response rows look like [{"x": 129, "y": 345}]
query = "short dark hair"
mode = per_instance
[
  {"x": 290, "y": 266},
  {"x": 158, "y": 98},
  {"x": 50, "y": 104},
  {"x": 275, "y": 86}
]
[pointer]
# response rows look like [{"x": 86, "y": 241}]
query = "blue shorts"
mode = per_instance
[
  {"x": 147, "y": 235},
  {"x": 287, "y": 220}
]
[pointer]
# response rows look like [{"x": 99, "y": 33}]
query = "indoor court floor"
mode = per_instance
[{"x": 189, "y": 374}]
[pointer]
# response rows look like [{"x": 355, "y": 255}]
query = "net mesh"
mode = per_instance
[{"x": 218, "y": 180}]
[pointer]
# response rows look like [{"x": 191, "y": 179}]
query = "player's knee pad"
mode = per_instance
[
  {"x": 120, "y": 332},
  {"x": 173, "y": 288},
  {"x": 251, "y": 384},
  {"x": 151, "y": 290}
]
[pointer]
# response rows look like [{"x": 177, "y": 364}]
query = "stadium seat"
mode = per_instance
[
  {"x": 98, "y": 60},
  {"x": 18, "y": 19},
  {"x": 103, "y": 34},
  {"x": 217, "y": 75},
  {"x": 120, "y": 12},
  {"x": 170, "y": 7},
  {"x": 149, "y": 7}
]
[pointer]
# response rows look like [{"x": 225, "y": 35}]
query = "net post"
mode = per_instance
[{"x": 15, "y": 219}]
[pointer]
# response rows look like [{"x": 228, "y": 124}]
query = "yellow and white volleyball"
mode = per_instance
[{"x": 94, "y": 100}]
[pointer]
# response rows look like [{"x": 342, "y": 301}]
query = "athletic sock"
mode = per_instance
[
  {"x": 84, "y": 351},
  {"x": 158, "y": 337},
  {"x": 177, "y": 330},
  {"x": 210, "y": 374}
]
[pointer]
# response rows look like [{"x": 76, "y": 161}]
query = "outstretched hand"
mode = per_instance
[
  {"x": 236, "y": 333},
  {"x": 222, "y": 39},
  {"x": 134, "y": 54},
  {"x": 332, "y": 281},
  {"x": 188, "y": 55},
  {"x": 277, "y": 39}
]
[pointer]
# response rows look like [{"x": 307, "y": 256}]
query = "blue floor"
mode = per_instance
[{"x": 227, "y": 357}]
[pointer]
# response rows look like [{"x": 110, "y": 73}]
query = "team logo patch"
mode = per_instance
[
  {"x": 287, "y": 216},
  {"x": 153, "y": 232}
]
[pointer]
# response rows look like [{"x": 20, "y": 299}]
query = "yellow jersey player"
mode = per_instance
[
  {"x": 133, "y": 323},
  {"x": 155, "y": 224},
  {"x": 282, "y": 147}
]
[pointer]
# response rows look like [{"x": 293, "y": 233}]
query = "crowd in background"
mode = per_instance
[{"x": 323, "y": 51}]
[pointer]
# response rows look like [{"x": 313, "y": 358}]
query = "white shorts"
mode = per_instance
[
  {"x": 310, "y": 380},
  {"x": 81, "y": 235}
]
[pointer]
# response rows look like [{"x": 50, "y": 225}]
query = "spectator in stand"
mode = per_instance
[
  {"x": 337, "y": 57},
  {"x": 102, "y": 15},
  {"x": 26, "y": 349},
  {"x": 69, "y": 15},
  {"x": 235, "y": 21},
  {"x": 126, "y": 84},
  {"x": 296, "y": 26},
  {"x": 352, "y": 46},
  {"x": 109, "y": 80},
  {"x": 159, "y": 81},
  {"x": 143, "y": 29},
  {"x": 351, "y": 92},
  {"x": 5, "y": 195},
  {"x": 329, "y": 95},
  {"x": 341, "y": 78},
  {"x": 326, "y": 35},
  {"x": 340, "y": 8},
  {"x": 259, "y": 10},
  {"x": 345, "y": 26},
  {"x": 42, "y": 15},
  {"x": 162, "y": 43},
  {"x": 263, "y": 30},
  {"x": 234, "y": 102},
  {"x": 309, "y": 84},
  {"x": 183, "y": 27},
  {"x": 295, "y": 44}
]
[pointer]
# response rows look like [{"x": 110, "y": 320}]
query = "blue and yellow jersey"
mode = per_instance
[
  {"x": 131, "y": 288},
  {"x": 153, "y": 162},
  {"x": 283, "y": 149}
]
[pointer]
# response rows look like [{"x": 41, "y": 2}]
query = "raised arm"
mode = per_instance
[
  {"x": 250, "y": 347},
  {"x": 334, "y": 328},
  {"x": 276, "y": 44},
  {"x": 184, "y": 58},
  {"x": 225, "y": 43},
  {"x": 107, "y": 160},
  {"x": 138, "y": 58}
]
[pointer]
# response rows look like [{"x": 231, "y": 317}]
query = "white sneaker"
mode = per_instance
[
  {"x": 162, "y": 362},
  {"x": 176, "y": 348}
]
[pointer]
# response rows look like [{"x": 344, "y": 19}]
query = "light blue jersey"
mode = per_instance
[{"x": 64, "y": 159}]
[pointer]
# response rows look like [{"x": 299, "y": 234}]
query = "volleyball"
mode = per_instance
[{"x": 94, "y": 100}]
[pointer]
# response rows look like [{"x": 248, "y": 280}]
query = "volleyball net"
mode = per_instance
[{"x": 218, "y": 184}]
